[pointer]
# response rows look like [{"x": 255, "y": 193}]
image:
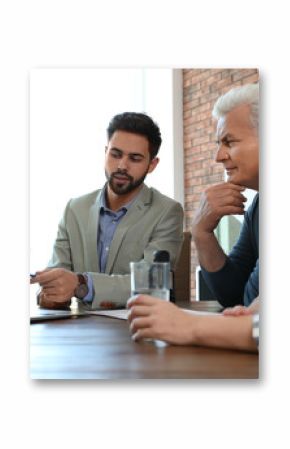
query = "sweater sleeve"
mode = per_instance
[{"x": 237, "y": 282}]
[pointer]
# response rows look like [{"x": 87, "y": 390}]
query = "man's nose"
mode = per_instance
[
  {"x": 221, "y": 153},
  {"x": 123, "y": 163}
]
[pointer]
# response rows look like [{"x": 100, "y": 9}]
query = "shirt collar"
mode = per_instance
[{"x": 103, "y": 202}]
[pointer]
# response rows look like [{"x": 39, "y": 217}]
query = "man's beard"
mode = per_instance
[{"x": 120, "y": 188}]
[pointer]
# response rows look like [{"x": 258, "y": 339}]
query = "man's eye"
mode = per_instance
[
  {"x": 229, "y": 143},
  {"x": 115, "y": 154},
  {"x": 136, "y": 158}
]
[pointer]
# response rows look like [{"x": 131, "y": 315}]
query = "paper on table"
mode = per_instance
[
  {"x": 121, "y": 314},
  {"x": 200, "y": 312}
]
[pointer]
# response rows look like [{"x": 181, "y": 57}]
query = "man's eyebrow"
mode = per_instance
[
  {"x": 134, "y": 153},
  {"x": 228, "y": 136},
  {"x": 137, "y": 154},
  {"x": 116, "y": 149}
]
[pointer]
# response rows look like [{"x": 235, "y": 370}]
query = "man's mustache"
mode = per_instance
[{"x": 122, "y": 173}]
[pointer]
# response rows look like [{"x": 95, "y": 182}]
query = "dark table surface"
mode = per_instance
[{"x": 98, "y": 347}]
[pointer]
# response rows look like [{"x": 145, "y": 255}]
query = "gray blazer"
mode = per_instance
[{"x": 153, "y": 222}]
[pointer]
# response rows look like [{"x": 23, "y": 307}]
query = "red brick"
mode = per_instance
[
  {"x": 243, "y": 73},
  {"x": 251, "y": 79},
  {"x": 186, "y": 114},
  {"x": 189, "y": 105}
]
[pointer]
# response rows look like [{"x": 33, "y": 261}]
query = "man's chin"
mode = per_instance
[
  {"x": 121, "y": 189},
  {"x": 238, "y": 181},
  {"x": 232, "y": 178}
]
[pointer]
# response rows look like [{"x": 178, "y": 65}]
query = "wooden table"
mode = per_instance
[{"x": 97, "y": 347}]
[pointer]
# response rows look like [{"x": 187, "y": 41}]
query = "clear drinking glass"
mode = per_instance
[{"x": 151, "y": 279}]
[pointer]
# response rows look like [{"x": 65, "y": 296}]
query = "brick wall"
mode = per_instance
[{"x": 201, "y": 88}]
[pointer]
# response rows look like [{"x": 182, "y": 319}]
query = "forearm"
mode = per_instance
[
  {"x": 210, "y": 254},
  {"x": 223, "y": 332}
]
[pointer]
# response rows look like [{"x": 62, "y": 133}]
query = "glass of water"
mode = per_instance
[{"x": 151, "y": 279}]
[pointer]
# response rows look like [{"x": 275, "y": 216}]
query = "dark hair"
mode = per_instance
[{"x": 137, "y": 123}]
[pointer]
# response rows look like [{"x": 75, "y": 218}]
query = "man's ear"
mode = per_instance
[{"x": 153, "y": 164}]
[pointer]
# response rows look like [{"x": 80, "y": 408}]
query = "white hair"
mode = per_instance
[{"x": 247, "y": 94}]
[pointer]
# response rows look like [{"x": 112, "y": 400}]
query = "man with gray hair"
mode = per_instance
[{"x": 233, "y": 278}]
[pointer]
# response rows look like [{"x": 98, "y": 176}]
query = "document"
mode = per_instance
[
  {"x": 40, "y": 314},
  {"x": 200, "y": 312},
  {"x": 121, "y": 314}
]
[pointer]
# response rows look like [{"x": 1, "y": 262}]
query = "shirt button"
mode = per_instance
[{"x": 107, "y": 248}]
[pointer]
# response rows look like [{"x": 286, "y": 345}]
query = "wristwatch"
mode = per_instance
[{"x": 82, "y": 288}]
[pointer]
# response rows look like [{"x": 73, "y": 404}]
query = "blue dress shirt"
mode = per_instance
[{"x": 108, "y": 222}]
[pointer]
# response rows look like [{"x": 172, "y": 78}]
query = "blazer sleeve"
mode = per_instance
[{"x": 61, "y": 254}]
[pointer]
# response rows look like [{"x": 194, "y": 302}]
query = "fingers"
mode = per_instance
[
  {"x": 236, "y": 311},
  {"x": 224, "y": 195},
  {"x": 140, "y": 323},
  {"x": 231, "y": 210},
  {"x": 141, "y": 334},
  {"x": 142, "y": 328},
  {"x": 58, "y": 283},
  {"x": 236, "y": 186},
  {"x": 41, "y": 277},
  {"x": 46, "y": 302},
  {"x": 136, "y": 311},
  {"x": 33, "y": 277},
  {"x": 226, "y": 188},
  {"x": 51, "y": 302},
  {"x": 216, "y": 202},
  {"x": 230, "y": 185},
  {"x": 139, "y": 317},
  {"x": 145, "y": 300},
  {"x": 48, "y": 276},
  {"x": 51, "y": 292}
]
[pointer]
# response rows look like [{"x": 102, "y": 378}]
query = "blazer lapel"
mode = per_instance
[
  {"x": 93, "y": 226},
  {"x": 134, "y": 214}
]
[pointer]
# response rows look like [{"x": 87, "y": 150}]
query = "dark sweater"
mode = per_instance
[{"x": 238, "y": 281}]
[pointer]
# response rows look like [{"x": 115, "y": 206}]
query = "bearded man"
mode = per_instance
[{"x": 102, "y": 232}]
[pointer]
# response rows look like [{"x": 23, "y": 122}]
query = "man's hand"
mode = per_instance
[
  {"x": 242, "y": 310},
  {"x": 151, "y": 317},
  {"x": 58, "y": 286},
  {"x": 216, "y": 202}
]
